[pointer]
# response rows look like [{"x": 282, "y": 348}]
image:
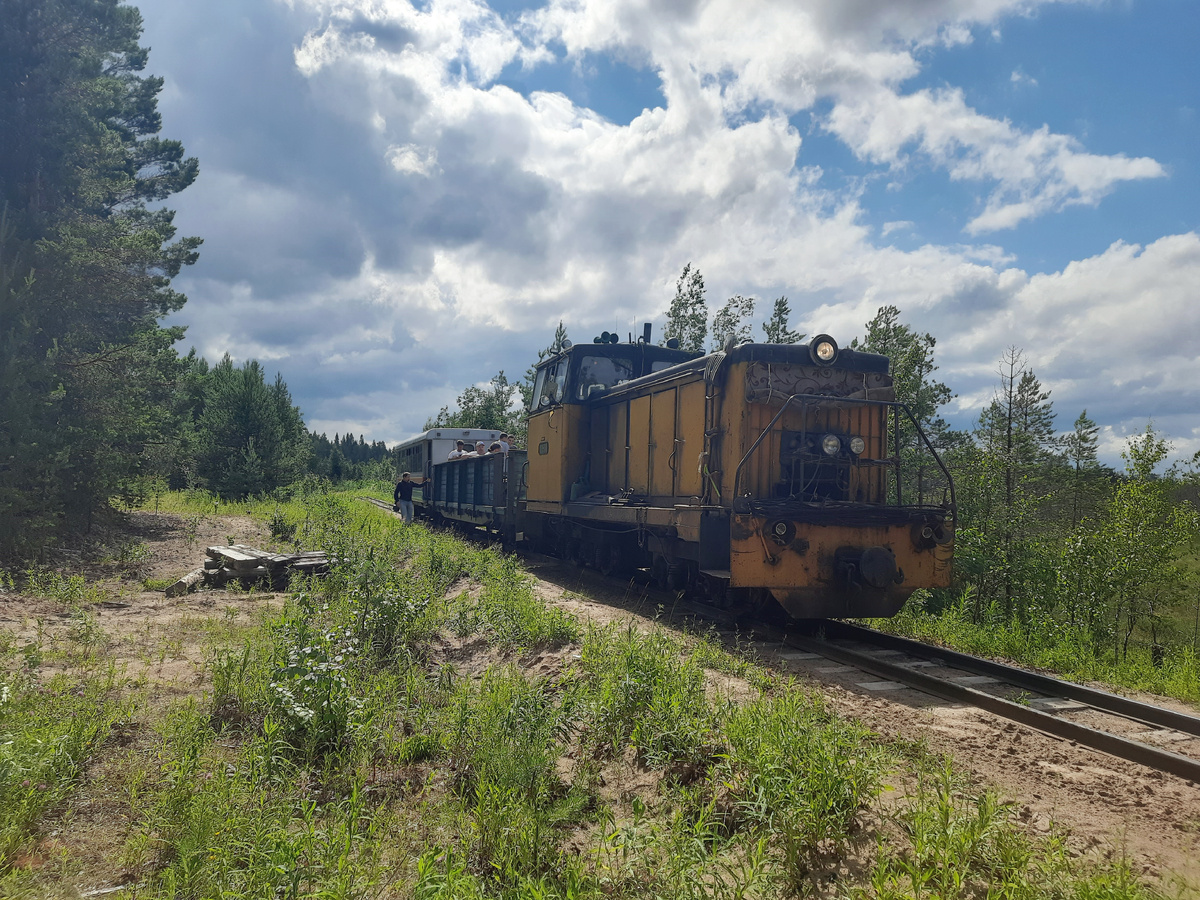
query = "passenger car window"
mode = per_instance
[{"x": 602, "y": 371}]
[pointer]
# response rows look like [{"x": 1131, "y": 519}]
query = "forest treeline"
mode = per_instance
[{"x": 96, "y": 405}]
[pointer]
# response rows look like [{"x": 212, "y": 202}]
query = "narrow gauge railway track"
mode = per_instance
[
  {"x": 1043, "y": 702},
  {"x": 1122, "y": 727}
]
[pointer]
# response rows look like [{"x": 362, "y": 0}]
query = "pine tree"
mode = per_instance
[
  {"x": 1080, "y": 447},
  {"x": 776, "y": 330},
  {"x": 252, "y": 439},
  {"x": 1018, "y": 425},
  {"x": 86, "y": 263},
  {"x": 732, "y": 319},
  {"x": 1016, "y": 434},
  {"x": 910, "y": 355},
  {"x": 687, "y": 317}
]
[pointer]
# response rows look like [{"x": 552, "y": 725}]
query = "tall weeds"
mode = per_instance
[{"x": 48, "y": 732}]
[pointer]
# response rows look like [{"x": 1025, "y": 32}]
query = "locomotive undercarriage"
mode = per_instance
[{"x": 810, "y": 570}]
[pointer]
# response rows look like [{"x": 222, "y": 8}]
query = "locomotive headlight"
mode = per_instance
[
  {"x": 831, "y": 444},
  {"x": 823, "y": 349},
  {"x": 857, "y": 445},
  {"x": 781, "y": 528}
]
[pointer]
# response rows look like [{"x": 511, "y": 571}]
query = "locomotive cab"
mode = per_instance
[
  {"x": 584, "y": 372},
  {"x": 566, "y": 390}
]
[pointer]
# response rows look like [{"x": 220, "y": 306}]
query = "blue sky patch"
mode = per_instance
[{"x": 599, "y": 82}]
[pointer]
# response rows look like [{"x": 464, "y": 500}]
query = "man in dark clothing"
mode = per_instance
[{"x": 403, "y": 497}]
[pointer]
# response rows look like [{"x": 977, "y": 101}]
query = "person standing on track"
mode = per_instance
[{"x": 403, "y": 497}]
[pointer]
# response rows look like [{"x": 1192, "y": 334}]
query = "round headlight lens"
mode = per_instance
[
  {"x": 823, "y": 350},
  {"x": 831, "y": 444},
  {"x": 857, "y": 445},
  {"x": 781, "y": 528}
]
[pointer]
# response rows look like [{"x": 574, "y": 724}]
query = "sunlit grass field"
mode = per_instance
[{"x": 420, "y": 723}]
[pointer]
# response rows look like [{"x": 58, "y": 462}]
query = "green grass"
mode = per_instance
[
  {"x": 800, "y": 776},
  {"x": 48, "y": 732},
  {"x": 641, "y": 690},
  {"x": 339, "y": 750},
  {"x": 50, "y": 584},
  {"x": 953, "y": 841}
]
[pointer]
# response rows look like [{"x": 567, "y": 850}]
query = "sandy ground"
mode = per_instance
[
  {"x": 158, "y": 647},
  {"x": 1107, "y": 805}
]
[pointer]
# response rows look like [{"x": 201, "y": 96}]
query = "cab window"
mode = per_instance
[
  {"x": 601, "y": 372},
  {"x": 550, "y": 384}
]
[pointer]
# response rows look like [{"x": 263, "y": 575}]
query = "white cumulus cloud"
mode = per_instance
[{"x": 425, "y": 224}]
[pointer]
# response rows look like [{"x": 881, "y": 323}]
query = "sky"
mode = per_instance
[{"x": 399, "y": 199}]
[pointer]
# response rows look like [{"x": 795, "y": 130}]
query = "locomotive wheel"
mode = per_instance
[
  {"x": 580, "y": 553},
  {"x": 757, "y": 604},
  {"x": 715, "y": 590},
  {"x": 574, "y": 549},
  {"x": 678, "y": 576},
  {"x": 660, "y": 571},
  {"x": 564, "y": 547},
  {"x": 611, "y": 560}
]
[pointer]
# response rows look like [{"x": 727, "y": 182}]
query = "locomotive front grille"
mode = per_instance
[
  {"x": 808, "y": 473},
  {"x": 865, "y": 458}
]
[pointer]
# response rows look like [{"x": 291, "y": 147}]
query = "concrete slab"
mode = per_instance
[
  {"x": 1163, "y": 734},
  {"x": 1055, "y": 704},
  {"x": 881, "y": 685}
]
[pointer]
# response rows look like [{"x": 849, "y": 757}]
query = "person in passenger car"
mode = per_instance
[
  {"x": 495, "y": 448},
  {"x": 504, "y": 442},
  {"x": 457, "y": 451},
  {"x": 480, "y": 448},
  {"x": 403, "y": 497}
]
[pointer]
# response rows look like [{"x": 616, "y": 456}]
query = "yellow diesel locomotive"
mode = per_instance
[{"x": 765, "y": 470}]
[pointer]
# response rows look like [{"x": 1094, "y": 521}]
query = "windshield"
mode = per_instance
[{"x": 598, "y": 373}]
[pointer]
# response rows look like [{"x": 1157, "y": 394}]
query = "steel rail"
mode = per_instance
[
  {"x": 1143, "y": 754},
  {"x": 1043, "y": 684}
]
